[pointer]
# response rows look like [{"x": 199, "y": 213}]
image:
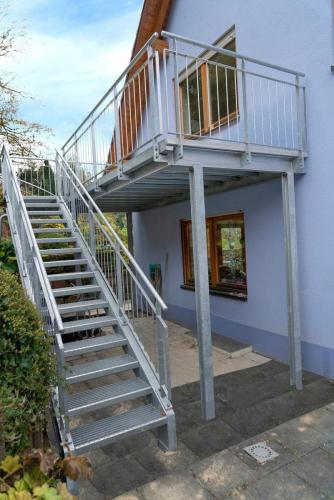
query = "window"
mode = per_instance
[
  {"x": 208, "y": 90},
  {"x": 226, "y": 254}
]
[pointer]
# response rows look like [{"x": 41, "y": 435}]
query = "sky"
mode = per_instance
[{"x": 71, "y": 53}]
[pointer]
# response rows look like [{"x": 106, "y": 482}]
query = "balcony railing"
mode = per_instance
[{"x": 191, "y": 91}]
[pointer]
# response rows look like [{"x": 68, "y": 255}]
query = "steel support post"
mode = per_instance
[
  {"x": 289, "y": 212},
  {"x": 129, "y": 226},
  {"x": 197, "y": 202}
]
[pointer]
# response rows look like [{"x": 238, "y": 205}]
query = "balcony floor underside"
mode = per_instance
[{"x": 151, "y": 183}]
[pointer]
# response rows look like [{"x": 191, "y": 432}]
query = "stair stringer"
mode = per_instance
[{"x": 166, "y": 433}]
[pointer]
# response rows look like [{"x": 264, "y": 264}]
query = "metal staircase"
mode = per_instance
[{"x": 92, "y": 296}]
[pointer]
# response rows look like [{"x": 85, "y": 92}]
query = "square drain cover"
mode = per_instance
[{"x": 261, "y": 452}]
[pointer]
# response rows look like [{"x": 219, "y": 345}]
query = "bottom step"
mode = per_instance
[{"x": 111, "y": 429}]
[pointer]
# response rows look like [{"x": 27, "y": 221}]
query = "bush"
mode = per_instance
[
  {"x": 7, "y": 256},
  {"x": 36, "y": 475},
  {"x": 27, "y": 368}
]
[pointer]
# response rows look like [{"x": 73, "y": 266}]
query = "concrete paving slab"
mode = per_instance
[
  {"x": 210, "y": 438},
  {"x": 177, "y": 486},
  {"x": 281, "y": 485},
  {"x": 317, "y": 469},
  {"x": 222, "y": 472},
  {"x": 131, "y": 495},
  {"x": 120, "y": 476},
  {"x": 300, "y": 438},
  {"x": 159, "y": 462},
  {"x": 321, "y": 420}
]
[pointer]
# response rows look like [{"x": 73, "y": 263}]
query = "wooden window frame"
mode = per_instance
[
  {"x": 234, "y": 290},
  {"x": 208, "y": 126}
]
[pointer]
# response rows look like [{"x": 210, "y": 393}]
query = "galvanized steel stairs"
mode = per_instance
[{"x": 96, "y": 345}]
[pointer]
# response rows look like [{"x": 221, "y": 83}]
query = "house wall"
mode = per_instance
[{"x": 296, "y": 34}]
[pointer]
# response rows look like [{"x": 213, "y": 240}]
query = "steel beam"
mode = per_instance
[
  {"x": 197, "y": 203},
  {"x": 289, "y": 213}
]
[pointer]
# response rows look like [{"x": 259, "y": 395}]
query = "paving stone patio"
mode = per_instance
[{"x": 253, "y": 405}]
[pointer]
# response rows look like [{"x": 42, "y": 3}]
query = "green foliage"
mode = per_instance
[
  {"x": 118, "y": 221},
  {"x": 8, "y": 260},
  {"x": 27, "y": 367},
  {"x": 36, "y": 475},
  {"x": 40, "y": 176}
]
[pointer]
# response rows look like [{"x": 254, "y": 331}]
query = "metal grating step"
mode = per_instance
[
  {"x": 111, "y": 429},
  {"x": 48, "y": 221},
  {"x": 100, "y": 368},
  {"x": 88, "y": 324},
  {"x": 71, "y": 276},
  {"x": 42, "y": 205},
  {"x": 60, "y": 251},
  {"x": 82, "y": 305},
  {"x": 100, "y": 397},
  {"x": 64, "y": 263},
  {"x": 36, "y": 199},
  {"x": 52, "y": 230},
  {"x": 42, "y": 241},
  {"x": 75, "y": 290},
  {"x": 93, "y": 344},
  {"x": 44, "y": 212}
]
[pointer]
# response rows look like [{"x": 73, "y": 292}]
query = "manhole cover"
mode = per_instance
[{"x": 261, "y": 452}]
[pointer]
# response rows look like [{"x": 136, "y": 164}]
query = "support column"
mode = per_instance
[
  {"x": 129, "y": 226},
  {"x": 290, "y": 230},
  {"x": 197, "y": 202}
]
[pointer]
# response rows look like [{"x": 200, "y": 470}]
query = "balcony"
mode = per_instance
[{"x": 180, "y": 103}]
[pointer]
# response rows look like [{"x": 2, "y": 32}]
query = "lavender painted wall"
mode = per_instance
[{"x": 296, "y": 34}]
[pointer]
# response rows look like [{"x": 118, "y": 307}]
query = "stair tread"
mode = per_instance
[
  {"x": 88, "y": 323},
  {"x": 51, "y": 230},
  {"x": 123, "y": 362},
  {"x": 83, "y": 305},
  {"x": 73, "y": 290},
  {"x": 107, "y": 429},
  {"x": 67, "y": 276},
  {"x": 59, "y": 251},
  {"x": 55, "y": 204},
  {"x": 44, "y": 212},
  {"x": 70, "y": 239},
  {"x": 106, "y": 393},
  {"x": 94, "y": 343},
  {"x": 68, "y": 262},
  {"x": 40, "y": 198},
  {"x": 48, "y": 221}
]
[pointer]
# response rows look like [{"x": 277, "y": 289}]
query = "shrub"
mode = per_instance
[
  {"x": 27, "y": 368},
  {"x": 7, "y": 256},
  {"x": 36, "y": 475}
]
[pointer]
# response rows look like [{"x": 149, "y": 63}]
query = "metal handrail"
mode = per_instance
[
  {"x": 139, "y": 54},
  {"x": 231, "y": 53},
  {"x": 69, "y": 172},
  {"x": 42, "y": 275}
]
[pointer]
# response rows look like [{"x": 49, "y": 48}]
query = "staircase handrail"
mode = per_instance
[
  {"x": 40, "y": 269},
  {"x": 70, "y": 174}
]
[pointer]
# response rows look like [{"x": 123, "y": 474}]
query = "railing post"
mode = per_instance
[
  {"x": 92, "y": 242},
  {"x": 57, "y": 175},
  {"x": 120, "y": 296},
  {"x": 299, "y": 123},
  {"x": 76, "y": 154},
  {"x": 158, "y": 88},
  {"x": 152, "y": 100},
  {"x": 118, "y": 149},
  {"x": 93, "y": 144},
  {"x": 162, "y": 348},
  {"x": 179, "y": 132},
  {"x": 245, "y": 111}
]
